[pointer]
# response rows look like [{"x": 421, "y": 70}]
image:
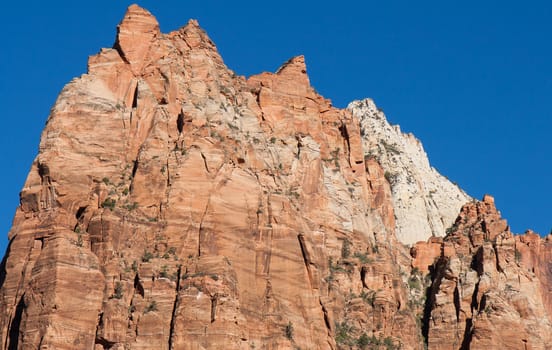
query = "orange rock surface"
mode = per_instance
[
  {"x": 488, "y": 288},
  {"x": 176, "y": 205}
]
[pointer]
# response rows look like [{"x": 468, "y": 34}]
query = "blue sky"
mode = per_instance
[{"x": 472, "y": 80}]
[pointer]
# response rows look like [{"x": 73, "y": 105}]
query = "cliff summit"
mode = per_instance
[{"x": 176, "y": 205}]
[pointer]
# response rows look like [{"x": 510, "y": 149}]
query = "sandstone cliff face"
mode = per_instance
[
  {"x": 487, "y": 288},
  {"x": 425, "y": 202},
  {"x": 175, "y": 205}
]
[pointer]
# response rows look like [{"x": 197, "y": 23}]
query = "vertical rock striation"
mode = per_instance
[
  {"x": 489, "y": 288},
  {"x": 176, "y": 205}
]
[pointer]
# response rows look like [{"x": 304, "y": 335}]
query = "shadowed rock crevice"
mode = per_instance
[
  {"x": 138, "y": 287},
  {"x": 345, "y": 134},
  {"x": 135, "y": 97},
  {"x": 3, "y": 270},
  {"x": 457, "y": 302},
  {"x": 436, "y": 273},
  {"x": 14, "y": 326},
  {"x": 466, "y": 339},
  {"x": 175, "y": 308},
  {"x": 180, "y": 122},
  {"x": 305, "y": 256}
]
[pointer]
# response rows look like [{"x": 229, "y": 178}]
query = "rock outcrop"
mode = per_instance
[
  {"x": 425, "y": 202},
  {"x": 487, "y": 289},
  {"x": 176, "y": 205}
]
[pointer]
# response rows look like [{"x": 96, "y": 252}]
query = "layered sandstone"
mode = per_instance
[{"x": 176, "y": 205}]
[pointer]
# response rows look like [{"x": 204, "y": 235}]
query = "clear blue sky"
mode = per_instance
[{"x": 471, "y": 79}]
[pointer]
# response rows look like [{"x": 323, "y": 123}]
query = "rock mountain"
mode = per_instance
[{"x": 176, "y": 205}]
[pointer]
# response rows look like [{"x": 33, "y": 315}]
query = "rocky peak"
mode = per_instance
[
  {"x": 484, "y": 281},
  {"x": 195, "y": 37},
  {"x": 135, "y": 35},
  {"x": 176, "y": 205},
  {"x": 295, "y": 69},
  {"x": 425, "y": 202},
  {"x": 479, "y": 221}
]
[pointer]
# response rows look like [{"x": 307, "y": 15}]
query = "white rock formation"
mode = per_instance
[{"x": 426, "y": 203}]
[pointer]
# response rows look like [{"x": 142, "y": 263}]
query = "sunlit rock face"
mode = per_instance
[
  {"x": 426, "y": 203},
  {"x": 176, "y": 205}
]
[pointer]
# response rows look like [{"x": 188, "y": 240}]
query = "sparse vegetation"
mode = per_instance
[
  {"x": 388, "y": 342},
  {"x": 293, "y": 193},
  {"x": 131, "y": 207},
  {"x": 147, "y": 256},
  {"x": 109, "y": 203},
  {"x": 289, "y": 330},
  {"x": 414, "y": 283},
  {"x": 151, "y": 307},
  {"x": 376, "y": 343},
  {"x": 118, "y": 294},
  {"x": 363, "y": 341},
  {"x": 105, "y": 180},
  {"x": 343, "y": 332},
  {"x": 368, "y": 297},
  {"x": 390, "y": 148},
  {"x": 345, "y": 249},
  {"x": 362, "y": 257},
  {"x": 391, "y": 178},
  {"x": 517, "y": 255},
  {"x": 333, "y": 269},
  {"x": 164, "y": 271}
]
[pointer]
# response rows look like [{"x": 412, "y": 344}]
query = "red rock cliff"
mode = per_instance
[{"x": 175, "y": 205}]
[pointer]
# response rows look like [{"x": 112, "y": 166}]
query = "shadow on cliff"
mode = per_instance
[
  {"x": 436, "y": 273},
  {"x": 3, "y": 265},
  {"x": 13, "y": 335}
]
